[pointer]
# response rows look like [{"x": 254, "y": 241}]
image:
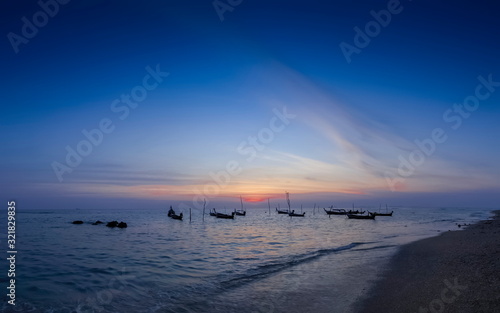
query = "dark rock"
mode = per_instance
[
  {"x": 77, "y": 222},
  {"x": 97, "y": 223},
  {"x": 122, "y": 225},
  {"x": 112, "y": 224}
]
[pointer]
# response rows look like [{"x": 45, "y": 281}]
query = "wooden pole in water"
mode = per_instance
[
  {"x": 189, "y": 215},
  {"x": 314, "y": 209},
  {"x": 269, "y": 205},
  {"x": 204, "y": 203},
  {"x": 288, "y": 201}
]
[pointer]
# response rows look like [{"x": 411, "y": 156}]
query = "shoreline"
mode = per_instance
[{"x": 456, "y": 271}]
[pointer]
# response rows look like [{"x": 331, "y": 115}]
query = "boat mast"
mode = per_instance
[{"x": 288, "y": 200}]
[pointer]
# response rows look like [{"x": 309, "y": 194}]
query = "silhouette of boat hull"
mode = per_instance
[
  {"x": 335, "y": 211},
  {"x": 171, "y": 214},
  {"x": 361, "y": 217},
  {"x": 226, "y": 216},
  {"x": 176, "y": 217},
  {"x": 291, "y": 214},
  {"x": 381, "y": 214}
]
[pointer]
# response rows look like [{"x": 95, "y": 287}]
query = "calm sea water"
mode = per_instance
[{"x": 257, "y": 263}]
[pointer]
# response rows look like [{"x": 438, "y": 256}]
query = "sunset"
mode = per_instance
[
  {"x": 119, "y": 111},
  {"x": 288, "y": 114}
]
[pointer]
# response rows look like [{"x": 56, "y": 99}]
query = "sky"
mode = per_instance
[{"x": 111, "y": 104}]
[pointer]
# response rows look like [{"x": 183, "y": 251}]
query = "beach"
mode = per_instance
[{"x": 457, "y": 271}]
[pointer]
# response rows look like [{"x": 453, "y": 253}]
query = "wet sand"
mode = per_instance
[{"x": 457, "y": 271}]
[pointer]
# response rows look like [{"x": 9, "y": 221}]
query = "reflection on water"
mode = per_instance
[{"x": 255, "y": 263}]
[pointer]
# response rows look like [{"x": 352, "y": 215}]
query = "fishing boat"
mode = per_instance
[
  {"x": 361, "y": 217},
  {"x": 333, "y": 211},
  {"x": 176, "y": 217},
  {"x": 240, "y": 212},
  {"x": 381, "y": 214},
  {"x": 212, "y": 212},
  {"x": 291, "y": 212},
  {"x": 296, "y": 214},
  {"x": 222, "y": 215},
  {"x": 281, "y": 211},
  {"x": 171, "y": 214},
  {"x": 356, "y": 212}
]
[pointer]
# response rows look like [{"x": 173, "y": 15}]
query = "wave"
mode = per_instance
[
  {"x": 377, "y": 247},
  {"x": 265, "y": 270}
]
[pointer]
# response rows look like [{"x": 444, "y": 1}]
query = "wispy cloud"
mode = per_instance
[{"x": 354, "y": 151}]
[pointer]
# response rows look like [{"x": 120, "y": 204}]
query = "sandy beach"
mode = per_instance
[{"x": 457, "y": 271}]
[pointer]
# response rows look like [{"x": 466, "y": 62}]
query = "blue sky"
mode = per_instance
[{"x": 352, "y": 124}]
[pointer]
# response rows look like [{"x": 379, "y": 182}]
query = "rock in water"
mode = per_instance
[
  {"x": 112, "y": 224},
  {"x": 122, "y": 225},
  {"x": 77, "y": 222}
]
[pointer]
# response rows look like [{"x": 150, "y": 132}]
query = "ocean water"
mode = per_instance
[{"x": 256, "y": 263}]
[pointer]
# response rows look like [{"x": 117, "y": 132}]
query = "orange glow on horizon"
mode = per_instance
[
  {"x": 254, "y": 199},
  {"x": 251, "y": 193}
]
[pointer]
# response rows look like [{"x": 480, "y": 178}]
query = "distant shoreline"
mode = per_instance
[{"x": 457, "y": 271}]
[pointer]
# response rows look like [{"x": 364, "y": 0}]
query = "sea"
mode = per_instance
[{"x": 261, "y": 262}]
